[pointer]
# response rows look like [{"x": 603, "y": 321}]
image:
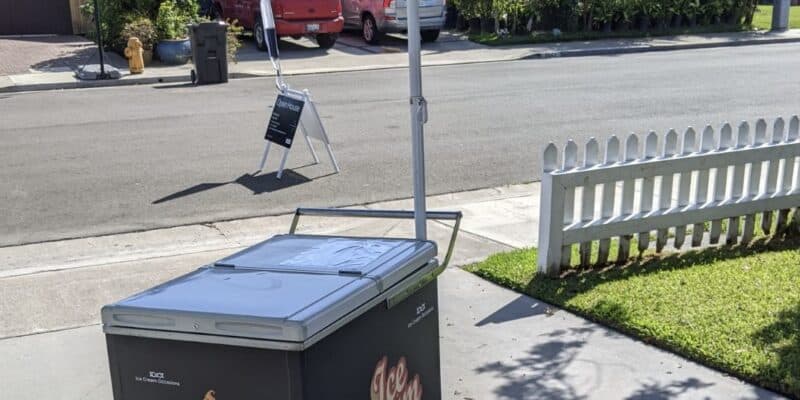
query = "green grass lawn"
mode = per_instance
[
  {"x": 736, "y": 309},
  {"x": 763, "y": 18}
]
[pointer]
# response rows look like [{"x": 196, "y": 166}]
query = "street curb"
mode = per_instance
[
  {"x": 650, "y": 48},
  {"x": 77, "y": 84}
]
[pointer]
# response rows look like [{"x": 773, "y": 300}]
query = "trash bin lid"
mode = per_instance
[
  {"x": 281, "y": 289},
  {"x": 384, "y": 260}
]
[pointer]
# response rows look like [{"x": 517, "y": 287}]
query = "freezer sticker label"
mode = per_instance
[
  {"x": 393, "y": 384},
  {"x": 422, "y": 311},
  {"x": 156, "y": 377}
]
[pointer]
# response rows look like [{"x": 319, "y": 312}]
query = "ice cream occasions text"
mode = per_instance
[{"x": 394, "y": 384}]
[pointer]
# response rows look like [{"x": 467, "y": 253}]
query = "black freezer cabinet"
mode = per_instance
[{"x": 294, "y": 317}]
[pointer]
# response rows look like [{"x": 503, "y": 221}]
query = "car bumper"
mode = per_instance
[
  {"x": 291, "y": 28},
  {"x": 401, "y": 25}
]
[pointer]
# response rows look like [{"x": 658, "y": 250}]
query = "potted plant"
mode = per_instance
[
  {"x": 142, "y": 28},
  {"x": 173, "y": 17}
]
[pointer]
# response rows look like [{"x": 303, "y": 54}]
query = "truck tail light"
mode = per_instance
[{"x": 388, "y": 3}]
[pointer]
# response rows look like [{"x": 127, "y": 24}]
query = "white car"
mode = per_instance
[{"x": 376, "y": 17}]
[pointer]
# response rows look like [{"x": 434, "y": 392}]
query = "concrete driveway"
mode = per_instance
[{"x": 34, "y": 54}]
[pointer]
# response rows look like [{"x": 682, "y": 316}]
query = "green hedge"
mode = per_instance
[
  {"x": 116, "y": 13},
  {"x": 522, "y": 16}
]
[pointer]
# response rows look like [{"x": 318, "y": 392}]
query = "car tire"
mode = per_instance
[
  {"x": 369, "y": 30},
  {"x": 429, "y": 36},
  {"x": 258, "y": 35},
  {"x": 326, "y": 40}
]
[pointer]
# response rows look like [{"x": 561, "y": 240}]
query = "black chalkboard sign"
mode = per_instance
[{"x": 284, "y": 120}]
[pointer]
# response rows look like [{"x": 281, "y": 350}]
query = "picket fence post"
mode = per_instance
[{"x": 712, "y": 179}]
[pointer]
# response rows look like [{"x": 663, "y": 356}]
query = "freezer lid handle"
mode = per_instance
[{"x": 387, "y": 214}]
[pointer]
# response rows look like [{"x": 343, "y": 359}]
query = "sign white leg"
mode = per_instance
[
  {"x": 311, "y": 147},
  {"x": 333, "y": 159},
  {"x": 283, "y": 163},
  {"x": 264, "y": 157}
]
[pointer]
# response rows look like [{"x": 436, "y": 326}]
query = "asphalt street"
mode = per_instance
[{"x": 78, "y": 163}]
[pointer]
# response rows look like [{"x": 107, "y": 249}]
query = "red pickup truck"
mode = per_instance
[{"x": 320, "y": 19}]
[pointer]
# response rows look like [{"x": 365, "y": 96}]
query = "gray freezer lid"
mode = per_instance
[
  {"x": 276, "y": 290},
  {"x": 384, "y": 260}
]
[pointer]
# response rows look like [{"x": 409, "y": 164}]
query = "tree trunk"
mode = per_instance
[
  {"x": 475, "y": 26},
  {"x": 644, "y": 22}
]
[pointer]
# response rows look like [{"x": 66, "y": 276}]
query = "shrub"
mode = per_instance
[
  {"x": 114, "y": 14},
  {"x": 571, "y": 15},
  {"x": 232, "y": 36},
  {"x": 173, "y": 16},
  {"x": 141, "y": 28}
]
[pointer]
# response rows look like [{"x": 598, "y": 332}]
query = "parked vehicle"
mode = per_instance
[
  {"x": 376, "y": 17},
  {"x": 320, "y": 19}
]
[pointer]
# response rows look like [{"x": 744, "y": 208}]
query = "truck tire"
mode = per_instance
[
  {"x": 369, "y": 30},
  {"x": 326, "y": 40},
  {"x": 429, "y": 36},
  {"x": 258, "y": 34}
]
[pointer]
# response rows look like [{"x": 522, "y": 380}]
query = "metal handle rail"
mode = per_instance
[{"x": 388, "y": 214}]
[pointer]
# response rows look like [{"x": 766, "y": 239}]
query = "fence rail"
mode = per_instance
[{"x": 710, "y": 185}]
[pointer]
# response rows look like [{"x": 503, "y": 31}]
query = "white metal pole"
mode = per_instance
[
  {"x": 271, "y": 39},
  {"x": 283, "y": 163},
  {"x": 264, "y": 157},
  {"x": 418, "y": 116}
]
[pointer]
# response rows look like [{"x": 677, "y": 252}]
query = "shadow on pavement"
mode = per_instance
[
  {"x": 545, "y": 363},
  {"x": 50, "y": 54},
  {"x": 548, "y": 369},
  {"x": 539, "y": 374},
  {"x": 258, "y": 184},
  {"x": 522, "y": 307},
  {"x": 654, "y": 391}
]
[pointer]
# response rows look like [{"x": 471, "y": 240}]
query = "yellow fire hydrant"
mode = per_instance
[{"x": 134, "y": 55}]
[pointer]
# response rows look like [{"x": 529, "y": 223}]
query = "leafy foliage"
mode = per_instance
[
  {"x": 232, "y": 36},
  {"x": 141, "y": 28},
  {"x": 114, "y": 15},
  {"x": 174, "y": 16},
  {"x": 593, "y": 15}
]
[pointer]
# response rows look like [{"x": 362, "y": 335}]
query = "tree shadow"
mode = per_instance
[
  {"x": 783, "y": 338},
  {"x": 56, "y": 53},
  {"x": 549, "y": 369},
  {"x": 583, "y": 279},
  {"x": 656, "y": 391},
  {"x": 540, "y": 374},
  {"x": 258, "y": 184}
]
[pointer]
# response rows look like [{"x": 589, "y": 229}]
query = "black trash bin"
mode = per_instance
[
  {"x": 294, "y": 317},
  {"x": 209, "y": 52}
]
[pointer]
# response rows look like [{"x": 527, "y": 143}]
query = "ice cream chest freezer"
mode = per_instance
[{"x": 293, "y": 317}]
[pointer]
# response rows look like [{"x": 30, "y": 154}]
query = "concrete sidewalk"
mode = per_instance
[
  {"x": 350, "y": 54},
  {"x": 495, "y": 343}
]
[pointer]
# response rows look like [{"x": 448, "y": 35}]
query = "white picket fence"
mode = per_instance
[{"x": 631, "y": 193}]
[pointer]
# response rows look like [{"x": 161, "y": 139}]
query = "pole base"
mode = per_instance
[{"x": 92, "y": 72}]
